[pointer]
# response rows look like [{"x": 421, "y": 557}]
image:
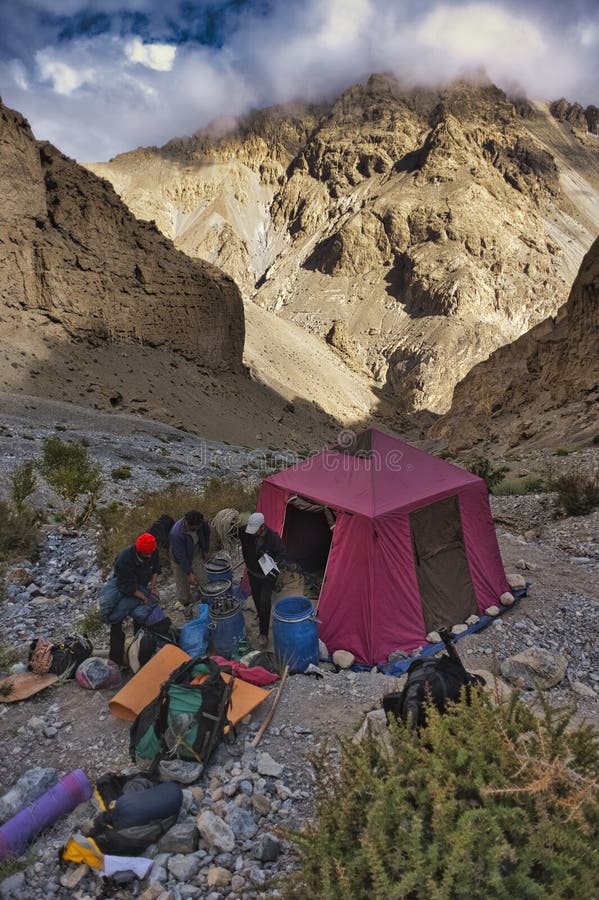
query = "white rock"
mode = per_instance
[
  {"x": 472, "y": 620},
  {"x": 515, "y": 580},
  {"x": 215, "y": 831},
  {"x": 433, "y": 637},
  {"x": 459, "y": 629},
  {"x": 268, "y": 766},
  {"x": 507, "y": 599},
  {"x": 343, "y": 658},
  {"x": 492, "y": 611}
]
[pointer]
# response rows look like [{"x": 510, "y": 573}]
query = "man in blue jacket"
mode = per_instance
[{"x": 189, "y": 545}]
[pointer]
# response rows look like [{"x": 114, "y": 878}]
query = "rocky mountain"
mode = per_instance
[
  {"x": 73, "y": 256},
  {"x": 544, "y": 387},
  {"x": 413, "y": 231},
  {"x": 100, "y": 309}
]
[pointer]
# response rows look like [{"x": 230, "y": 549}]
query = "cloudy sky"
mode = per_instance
[{"x": 97, "y": 77}]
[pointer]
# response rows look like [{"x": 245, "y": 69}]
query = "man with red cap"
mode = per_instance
[{"x": 131, "y": 592}]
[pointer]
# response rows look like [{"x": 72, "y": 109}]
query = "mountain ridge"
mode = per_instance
[{"x": 435, "y": 226}]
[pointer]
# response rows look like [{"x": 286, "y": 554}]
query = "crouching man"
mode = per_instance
[{"x": 131, "y": 591}]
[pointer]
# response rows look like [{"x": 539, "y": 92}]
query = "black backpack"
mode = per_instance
[
  {"x": 65, "y": 656},
  {"x": 161, "y": 530},
  {"x": 438, "y": 681},
  {"x": 186, "y": 721},
  {"x": 135, "y": 811},
  {"x": 147, "y": 641}
]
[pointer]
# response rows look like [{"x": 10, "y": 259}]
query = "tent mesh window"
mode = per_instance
[{"x": 442, "y": 569}]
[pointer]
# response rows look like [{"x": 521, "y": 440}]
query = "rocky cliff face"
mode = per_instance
[
  {"x": 543, "y": 388},
  {"x": 428, "y": 228},
  {"x": 73, "y": 257}
]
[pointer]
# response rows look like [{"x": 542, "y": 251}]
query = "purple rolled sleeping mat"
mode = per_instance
[{"x": 59, "y": 800}]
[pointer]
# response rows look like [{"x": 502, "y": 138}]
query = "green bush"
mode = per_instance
[
  {"x": 22, "y": 486},
  {"x": 121, "y": 473},
  {"x": 74, "y": 475},
  {"x": 483, "y": 467},
  {"x": 578, "y": 491},
  {"x": 19, "y": 533},
  {"x": 121, "y": 524},
  {"x": 529, "y": 484},
  {"x": 485, "y": 803},
  {"x": 90, "y": 622}
]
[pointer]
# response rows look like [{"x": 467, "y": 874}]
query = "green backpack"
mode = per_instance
[{"x": 185, "y": 721}]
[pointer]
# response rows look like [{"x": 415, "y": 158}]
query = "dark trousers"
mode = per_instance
[{"x": 262, "y": 596}]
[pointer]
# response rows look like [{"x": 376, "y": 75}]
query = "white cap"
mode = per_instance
[{"x": 255, "y": 522}]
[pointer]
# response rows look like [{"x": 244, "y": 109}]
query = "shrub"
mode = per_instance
[
  {"x": 529, "y": 484},
  {"x": 483, "y": 467},
  {"x": 121, "y": 524},
  {"x": 90, "y": 622},
  {"x": 578, "y": 491},
  {"x": 72, "y": 473},
  {"x": 19, "y": 533},
  {"x": 561, "y": 451},
  {"x": 485, "y": 802},
  {"x": 121, "y": 473},
  {"x": 22, "y": 486}
]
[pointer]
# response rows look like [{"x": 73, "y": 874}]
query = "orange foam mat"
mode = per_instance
[
  {"x": 24, "y": 685},
  {"x": 145, "y": 686}
]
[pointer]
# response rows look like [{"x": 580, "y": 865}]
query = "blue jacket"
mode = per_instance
[{"x": 182, "y": 543}]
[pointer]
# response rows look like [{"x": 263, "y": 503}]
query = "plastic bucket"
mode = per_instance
[
  {"x": 214, "y": 590},
  {"x": 295, "y": 633},
  {"x": 228, "y": 630},
  {"x": 219, "y": 570}
]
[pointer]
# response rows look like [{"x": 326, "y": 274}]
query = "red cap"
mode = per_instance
[{"x": 145, "y": 543}]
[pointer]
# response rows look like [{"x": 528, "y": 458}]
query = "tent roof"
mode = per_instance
[{"x": 389, "y": 476}]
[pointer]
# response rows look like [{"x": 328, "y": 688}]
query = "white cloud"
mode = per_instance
[
  {"x": 65, "y": 78},
  {"x": 160, "y": 57},
  {"x": 100, "y": 95},
  {"x": 18, "y": 73},
  {"x": 477, "y": 32}
]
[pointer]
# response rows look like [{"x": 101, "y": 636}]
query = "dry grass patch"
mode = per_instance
[{"x": 121, "y": 524}]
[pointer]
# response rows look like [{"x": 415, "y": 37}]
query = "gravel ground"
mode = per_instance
[{"x": 66, "y": 727}]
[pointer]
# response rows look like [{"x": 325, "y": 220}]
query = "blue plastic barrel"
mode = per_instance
[
  {"x": 214, "y": 590},
  {"x": 219, "y": 569},
  {"x": 227, "y": 629},
  {"x": 295, "y": 633}
]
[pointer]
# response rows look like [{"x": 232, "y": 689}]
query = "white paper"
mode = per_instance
[
  {"x": 138, "y": 864},
  {"x": 267, "y": 564}
]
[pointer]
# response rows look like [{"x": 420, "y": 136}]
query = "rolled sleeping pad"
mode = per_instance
[{"x": 61, "y": 799}]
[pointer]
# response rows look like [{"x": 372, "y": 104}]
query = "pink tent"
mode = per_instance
[{"x": 406, "y": 539}]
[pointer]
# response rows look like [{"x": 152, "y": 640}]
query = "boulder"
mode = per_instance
[
  {"x": 535, "y": 668},
  {"x": 515, "y": 580},
  {"x": 507, "y": 599},
  {"x": 492, "y": 611}
]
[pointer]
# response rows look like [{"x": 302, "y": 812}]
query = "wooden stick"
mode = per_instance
[{"x": 271, "y": 711}]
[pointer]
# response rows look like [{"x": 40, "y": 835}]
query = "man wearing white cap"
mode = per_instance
[{"x": 257, "y": 539}]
